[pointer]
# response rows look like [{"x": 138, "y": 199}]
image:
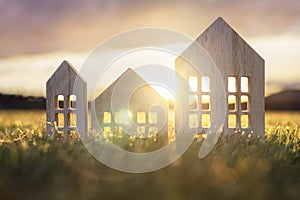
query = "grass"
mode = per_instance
[{"x": 33, "y": 167}]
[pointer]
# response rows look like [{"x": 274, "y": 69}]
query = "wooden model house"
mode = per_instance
[
  {"x": 66, "y": 105},
  {"x": 143, "y": 114},
  {"x": 242, "y": 72}
]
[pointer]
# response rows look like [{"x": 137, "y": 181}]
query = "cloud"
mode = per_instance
[{"x": 34, "y": 26}]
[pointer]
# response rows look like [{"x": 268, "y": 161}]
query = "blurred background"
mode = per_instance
[{"x": 36, "y": 36}]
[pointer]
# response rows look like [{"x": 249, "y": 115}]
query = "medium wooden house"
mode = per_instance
[
  {"x": 66, "y": 105},
  {"x": 130, "y": 105},
  {"x": 242, "y": 72}
]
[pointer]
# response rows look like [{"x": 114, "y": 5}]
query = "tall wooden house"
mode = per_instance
[
  {"x": 242, "y": 72},
  {"x": 66, "y": 105}
]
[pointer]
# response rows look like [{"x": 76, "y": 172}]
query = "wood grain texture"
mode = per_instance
[
  {"x": 66, "y": 81},
  {"x": 233, "y": 57}
]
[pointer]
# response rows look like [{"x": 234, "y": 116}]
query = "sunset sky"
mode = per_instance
[{"x": 36, "y": 36}]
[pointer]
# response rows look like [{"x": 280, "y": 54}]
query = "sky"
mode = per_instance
[{"x": 37, "y": 35}]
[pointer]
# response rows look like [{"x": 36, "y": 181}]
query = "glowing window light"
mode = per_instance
[
  {"x": 244, "y": 84},
  {"x": 205, "y": 120},
  {"x": 193, "y": 120},
  {"x": 106, "y": 117},
  {"x": 231, "y": 121},
  {"x": 193, "y": 83},
  {"x": 205, "y": 84},
  {"x": 141, "y": 117},
  {"x": 231, "y": 84},
  {"x": 244, "y": 121},
  {"x": 206, "y": 102},
  {"x": 231, "y": 102}
]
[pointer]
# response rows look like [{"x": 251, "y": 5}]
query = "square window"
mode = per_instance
[
  {"x": 205, "y": 84},
  {"x": 152, "y": 117},
  {"x": 72, "y": 119},
  {"x": 60, "y": 121},
  {"x": 193, "y": 83},
  {"x": 205, "y": 102},
  {"x": 231, "y": 121},
  {"x": 205, "y": 120},
  {"x": 231, "y": 84},
  {"x": 72, "y": 101},
  {"x": 244, "y": 84},
  {"x": 152, "y": 131},
  {"x": 193, "y": 102},
  {"x": 141, "y": 132},
  {"x": 244, "y": 121},
  {"x": 231, "y": 103},
  {"x": 59, "y": 101},
  {"x": 245, "y": 103},
  {"x": 141, "y": 117},
  {"x": 106, "y": 117},
  {"x": 193, "y": 120}
]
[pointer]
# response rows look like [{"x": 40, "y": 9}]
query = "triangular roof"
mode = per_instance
[
  {"x": 67, "y": 67},
  {"x": 129, "y": 77},
  {"x": 219, "y": 30}
]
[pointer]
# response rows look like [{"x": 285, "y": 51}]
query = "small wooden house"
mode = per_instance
[
  {"x": 242, "y": 72},
  {"x": 66, "y": 101},
  {"x": 130, "y": 105}
]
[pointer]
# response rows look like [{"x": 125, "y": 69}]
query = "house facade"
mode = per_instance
[
  {"x": 241, "y": 70},
  {"x": 66, "y": 104}
]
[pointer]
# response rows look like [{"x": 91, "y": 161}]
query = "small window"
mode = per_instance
[
  {"x": 59, "y": 101},
  {"x": 106, "y": 129},
  {"x": 122, "y": 117},
  {"x": 59, "y": 118},
  {"x": 72, "y": 101},
  {"x": 231, "y": 121},
  {"x": 244, "y": 121},
  {"x": 231, "y": 103},
  {"x": 141, "y": 117},
  {"x": 193, "y": 83},
  {"x": 205, "y": 120},
  {"x": 244, "y": 84},
  {"x": 152, "y": 117},
  {"x": 231, "y": 84},
  {"x": 72, "y": 119},
  {"x": 152, "y": 131},
  {"x": 106, "y": 117},
  {"x": 193, "y": 120},
  {"x": 205, "y": 102},
  {"x": 141, "y": 132},
  {"x": 245, "y": 103},
  {"x": 193, "y": 102},
  {"x": 205, "y": 84}
]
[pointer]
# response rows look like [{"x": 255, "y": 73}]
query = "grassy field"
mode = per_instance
[{"x": 32, "y": 167}]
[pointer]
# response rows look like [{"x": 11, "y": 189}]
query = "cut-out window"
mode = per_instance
[
  {"x": 205, "y": 102},
  {"x": 59, "y": 101},
  {"x": 122, "y": 117},
  {"x": 193, "y": 102},
  {"x": 141, "y": 117},
  {"x": 193, "y": 120},
  {"x": 205, "y": 120},
  {"x": 59, "y": 118},
  {"x": 72, "y": 101},
  {"x": 152, "y": 117},
  {"x": 141, "y": 131},
  {"x": 205, "y": 84},
  {"x": 231, "y": 84},
  {"x": 106, "y": 117},
  {"x": 231, "y": 121},
  {"x": 72, "y": 119},
  {"x": 152, "y": 131},
  {"x": 244, "y": 84},
  {"x": 231, "y": 102},
  {"x": 107, "y": 129},
  {"x": 245, "y": 103},
  {"x": 244, "y": 121},
  {"x": 193, "y": 83}
]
